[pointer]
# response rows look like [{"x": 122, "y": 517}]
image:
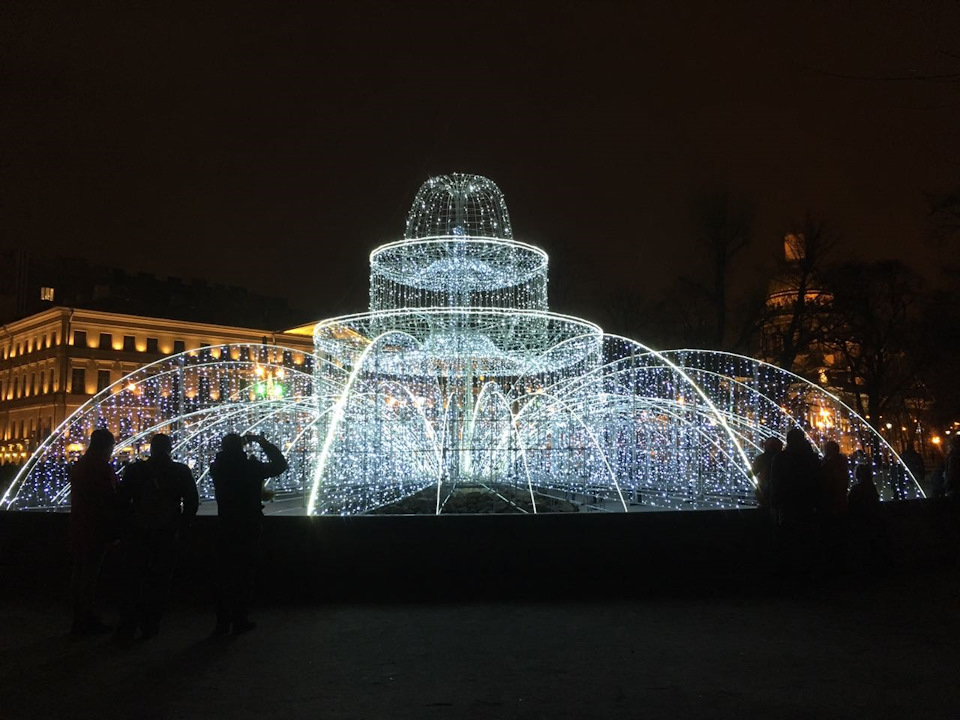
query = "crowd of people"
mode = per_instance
[
  {"x": 144, "y": 515},
  {"x": 815, "y": 509}
]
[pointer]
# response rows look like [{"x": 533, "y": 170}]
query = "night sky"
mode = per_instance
[{"x": 274, "y": 148}]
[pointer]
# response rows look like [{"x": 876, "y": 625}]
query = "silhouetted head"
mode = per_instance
[
  {"x": 864, "y": 473},
  {"x": 772, "y": 444},
  {"x": 796, "y": 440},
  {"x": 831, "y": 449},
  {"x": 161, "y": 446},
  {"x": 101, "y": 442},
  {"x": 231, "y": 443}
]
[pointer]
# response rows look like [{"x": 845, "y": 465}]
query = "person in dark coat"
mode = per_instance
[
  {"x": 160, "y": 498},
  {"x": 951, "y": 473},
  {"x": 866, "y": 524},
  {"x": 794, "y": 479},
  {"x": 834, "y": 482},
  {"x": 238, "y": 484},
  {"x": 94, "y": 527},
  {"x": 914, "y": 462},
  {"x": 761, "y": 467},
  {"x": 832, "y": 505}
]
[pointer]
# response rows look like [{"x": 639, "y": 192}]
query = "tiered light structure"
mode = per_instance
[{"x": 459, "y": 379}]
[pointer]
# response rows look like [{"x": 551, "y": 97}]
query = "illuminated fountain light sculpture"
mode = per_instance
[{"x": 460, "y": 380}]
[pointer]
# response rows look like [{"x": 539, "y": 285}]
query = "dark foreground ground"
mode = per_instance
[{"x": 861, "y": 646}]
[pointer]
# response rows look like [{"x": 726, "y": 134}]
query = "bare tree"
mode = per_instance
[
  {"x": 798, "y": 304},
  {"x": 724, "y": 231},
  {"x": 875, "y": 333}
]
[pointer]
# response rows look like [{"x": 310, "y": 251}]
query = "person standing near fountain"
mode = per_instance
[
  {"x": 794, "y": 478},
  {"x": 94, "y": 526},
  {"x": 238, "y": 487},
  {"x": 152, "y": 492}
]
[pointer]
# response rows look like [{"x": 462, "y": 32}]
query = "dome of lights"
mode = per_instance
[
  {"x": 458, "y": 205},
  {"x": 460, "y": 382}
]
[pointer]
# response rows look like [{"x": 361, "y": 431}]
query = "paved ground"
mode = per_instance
[{"x": 884, "y": 649}]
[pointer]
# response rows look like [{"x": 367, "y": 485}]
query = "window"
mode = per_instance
[
  {"x": 78, "y": 381},
  {"x": 103, "y": 379},
  {"x": 16, "y": 387},
  {"x": 179, "y": 346},
  {"x": 34, "y": 388},
  {"x": 129, "y": 343},
  {"x": 1, "y": 389},
  {"x": 53, "y": 339},
  {"x": 46, "y": 294},
  {"x": 51, "y": 387},
  {"x": 106, "y": 341},
  {"x": 153, "y": 345},
  {"x": 79, "y": 338}
]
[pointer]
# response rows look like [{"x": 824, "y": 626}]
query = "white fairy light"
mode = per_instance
[{"x": 458, "y": 377}]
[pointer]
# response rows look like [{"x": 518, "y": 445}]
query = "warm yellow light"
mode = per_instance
[
  {"x": 258, "y": 371},
  {"x": 935, "y": 440},
  {"x": 131, "y": 387}
]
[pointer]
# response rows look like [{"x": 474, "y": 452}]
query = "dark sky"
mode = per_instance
[{"x": 274, "y": 148}]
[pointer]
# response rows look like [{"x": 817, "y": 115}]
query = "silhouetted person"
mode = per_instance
[
  {"x": 834, "y": 482},
  {"x": 951, "y": 470},
  {"x": 94, "y": 526},
  {"x": 761, "y": 467},
  {"x": 863, "y": 506},
  {"x": 832, "y": 504},
  {"x": 160, "y": 497},
  {"x": 794, "y": 478},
  {"x": 238, "y": 486},
  {"x": 914, "y": 462}
]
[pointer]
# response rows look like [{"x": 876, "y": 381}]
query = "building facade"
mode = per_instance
[{"x": 54, "y": 361}]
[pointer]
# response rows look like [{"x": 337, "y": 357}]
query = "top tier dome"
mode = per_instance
[{"x": 458, "y": 204}]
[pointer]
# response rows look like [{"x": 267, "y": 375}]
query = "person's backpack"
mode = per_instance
[{"x": 152, "y": 509}]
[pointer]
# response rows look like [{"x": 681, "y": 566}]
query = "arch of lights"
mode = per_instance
[{"x": 459, "y": 379}]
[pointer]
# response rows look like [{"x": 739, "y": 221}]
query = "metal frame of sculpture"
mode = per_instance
[{"x": 459, "y": 379}]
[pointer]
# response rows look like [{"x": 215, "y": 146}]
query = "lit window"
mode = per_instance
[
  {"x": 46, "y": 294},
  {"x": 78, "y": 380}
]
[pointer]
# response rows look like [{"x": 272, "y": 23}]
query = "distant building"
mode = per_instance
[
  {"x": 53, "y": 361},
  {"x": 33, "y": 283},
  {"x": 785, "y": 321}
]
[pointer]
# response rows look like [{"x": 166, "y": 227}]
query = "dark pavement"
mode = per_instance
[{"x": 864, "y": 648}]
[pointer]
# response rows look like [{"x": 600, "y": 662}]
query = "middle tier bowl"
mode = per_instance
[{"x": 442, "y": 342}]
